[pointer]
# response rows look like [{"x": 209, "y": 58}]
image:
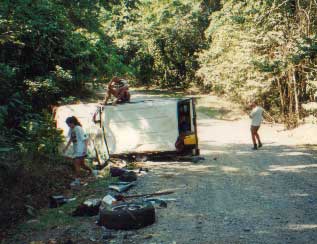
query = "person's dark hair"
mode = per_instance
[{"x": 73, "y": 120}]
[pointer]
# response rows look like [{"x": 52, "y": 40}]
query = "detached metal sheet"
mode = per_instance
[{"x": 145, "y": 126}]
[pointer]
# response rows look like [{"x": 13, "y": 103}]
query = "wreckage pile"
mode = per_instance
[{"x": 116, "y": 210}]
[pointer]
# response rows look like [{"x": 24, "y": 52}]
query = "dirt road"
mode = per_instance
[{"x": 236, "y": 195}]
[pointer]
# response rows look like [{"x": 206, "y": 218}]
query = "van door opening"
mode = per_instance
[{"x": 187, "y": 125}]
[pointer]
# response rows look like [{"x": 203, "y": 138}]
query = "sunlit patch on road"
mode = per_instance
[{"x": 291, "y": 168}]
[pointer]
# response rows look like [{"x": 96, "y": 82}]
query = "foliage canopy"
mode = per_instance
[{"x": 49, "y": 50}]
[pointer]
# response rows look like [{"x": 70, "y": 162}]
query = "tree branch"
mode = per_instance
[{"x": 269, "y": 12}]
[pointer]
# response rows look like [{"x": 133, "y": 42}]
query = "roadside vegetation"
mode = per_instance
[
  {"x": 62, "y": 217},
  {"x": 50, "y": 50}
]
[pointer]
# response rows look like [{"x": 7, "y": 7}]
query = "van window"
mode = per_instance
[{"x": 184, "y": 120}]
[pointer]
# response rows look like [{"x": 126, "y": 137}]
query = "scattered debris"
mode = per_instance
[
  {"x": 246, "y": 229},
  {"x": 161, "y": 202},
  {"x": 107, "y": 201},
  {"x": 33, "y": 221},
  {"x": 156, "y": 201},
  {"x": 92, "y": 202},
  {"x": 143, "y": 170},
  {"x": 30, "y": 210},
  {"x": 128, "y": 176},
  {"x": 121, "y": 186},
  {"x": 88, "y": 208},
  {"x": 149, "y": 236},
  {"x": 115, "y": 172},
  {"x": 196, "y": 159},
  {"x": 108, "y": 236},
  {"x": 56, "y": 201}
]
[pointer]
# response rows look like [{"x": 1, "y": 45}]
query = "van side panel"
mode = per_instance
[{"x": 148, "y": 126}]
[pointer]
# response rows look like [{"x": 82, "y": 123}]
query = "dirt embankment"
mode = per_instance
[{"x": 25, "y": 187}]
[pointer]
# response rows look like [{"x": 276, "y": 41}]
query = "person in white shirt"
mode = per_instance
[
  {"x": 79, "y": 138},
  {"x": 256, "y": 116}
]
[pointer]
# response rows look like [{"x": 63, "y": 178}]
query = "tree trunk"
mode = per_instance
[
  {"x": 280, "y": 89},
  {"x": 290, "y": 98},
  {"x": 296, "y": 96}
]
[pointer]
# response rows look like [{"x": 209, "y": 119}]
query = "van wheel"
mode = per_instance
[{"x": 127, "y": 216}]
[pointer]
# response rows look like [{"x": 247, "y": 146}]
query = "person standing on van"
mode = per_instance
[
  {"x": 118, "y": 88},
  {"x": 256, "y": 116},
  {"x": 79, "y": 138}
]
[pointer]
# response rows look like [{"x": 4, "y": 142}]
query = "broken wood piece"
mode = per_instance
[{"x": 159, "y": 193}]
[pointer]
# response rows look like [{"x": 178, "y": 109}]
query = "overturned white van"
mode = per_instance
[{"x": 138, "y": 127}]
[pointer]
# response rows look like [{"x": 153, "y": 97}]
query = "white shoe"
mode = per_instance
[
  {"x": 95, "y": 173},
  {"x": 76, "y": 182}
]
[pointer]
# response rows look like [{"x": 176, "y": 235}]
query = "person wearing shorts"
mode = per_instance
[
  {"x": 79, "y": 138},
  {"x": 256, "y": 116}
]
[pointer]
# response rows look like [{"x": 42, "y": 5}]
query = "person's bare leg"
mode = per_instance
[
  {"x": 113, "y": 91},
  {"x": 179, "y": 144},
  {"x": 253, "y": 139},
  {"x": 107, "y": 97},
  {"x": 84, "y": 166},
  {"x": 77, "y": 164},
  {"x": 110, "y": 92},
  {"x": 258, "y": 138},
  {"x": 128, "y": 96}
]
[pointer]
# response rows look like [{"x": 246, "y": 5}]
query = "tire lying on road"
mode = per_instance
[{"x": 127, "y": 216}]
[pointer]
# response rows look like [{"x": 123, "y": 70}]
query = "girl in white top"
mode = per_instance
[
  {"x": 79, "y": 138},
  {"x": 256, "y": 116}
]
